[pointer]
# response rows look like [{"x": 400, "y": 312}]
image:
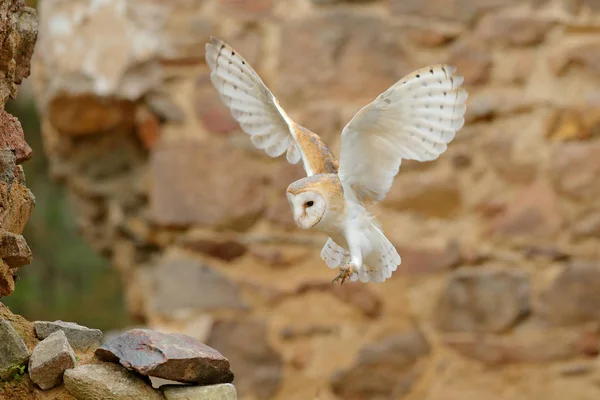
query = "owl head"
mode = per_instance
[{"x": 313, "y": 199}]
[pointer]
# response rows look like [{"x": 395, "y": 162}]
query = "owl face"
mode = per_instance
[{"x": 308, "y": 207}]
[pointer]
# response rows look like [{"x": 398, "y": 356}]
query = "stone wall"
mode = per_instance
[
  {"x": 498, "y": 295},
  {"x": 18, "y": 32}
]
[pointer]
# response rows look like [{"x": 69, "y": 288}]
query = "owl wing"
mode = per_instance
[
  {"x": 254, "y": 107},
  {"x": 414, "y": 119}
]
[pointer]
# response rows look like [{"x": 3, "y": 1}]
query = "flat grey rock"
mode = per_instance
[
  {"x": 79, "y": 337},
  {"x": 50, "y": 359},
  {"x": 174, "y": 357},
  {"x": 223, "y": 391},
  {"x": 107, "y": 381},
  {"x": 13, "y": 351}
]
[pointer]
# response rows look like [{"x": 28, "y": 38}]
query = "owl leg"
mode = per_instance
[
  {"x": 346, "y": 273},
  {"x": 348, "y": 270}
]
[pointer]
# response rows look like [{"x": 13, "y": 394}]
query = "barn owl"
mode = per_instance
[{"x": 414, "y": 119}]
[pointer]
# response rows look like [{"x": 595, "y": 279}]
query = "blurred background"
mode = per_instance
[{"x": 153, "y": 208}]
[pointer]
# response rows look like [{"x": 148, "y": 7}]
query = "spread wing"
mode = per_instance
[
  {"x": 414, "y": 119},
  {"x": 257, "y": 110}
]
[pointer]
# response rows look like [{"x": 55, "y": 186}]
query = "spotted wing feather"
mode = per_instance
[
  {"x": 414, "y": 119},
  {"x": 251, "y": 103}
]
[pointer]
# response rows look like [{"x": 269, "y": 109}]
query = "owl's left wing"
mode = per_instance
[
  {"x": 252, "y": 104},
  {"x": 414, "y": 119}
]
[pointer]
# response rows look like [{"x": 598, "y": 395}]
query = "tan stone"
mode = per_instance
[
  {"x": 499, "y": 153},
  {"x": 18, "y": 38},
  {"x": 584, "y": 53},
  {"x": 533, "y": 211},
  {"x": 382, "y": 370},
  {"x": 573, "y": 124},
  {"x": 352, "y": 293},
  {"x": 461, "y": 10},
  {"x": 247, "y": 9},
  {"x": 472, "y": 60},
  {"x": 516, "y": 30},
  {"x": 538, "y": 347},
  {"x": 483, "y": 300},
  {"x": 587, "y": 226},
  {"x": 279, "y": 211},
  {"x": 177, "y": 280},
  {"x": 429, "y": 193},
  {"x": 430, "y": 36},
  {"x": 575, "y": 169},
  {"x": 258, "y": 367},
  {"x": 206, "y": 183},
  {"x": 360, "y": 56},
  {"x": 16, "y": 205},
  {"x": 422, "y": 261},
  {"x": 573, "y": 296}
]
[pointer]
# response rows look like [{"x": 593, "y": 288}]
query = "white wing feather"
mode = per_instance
[
  {"x": 415, "y": 119},
  {"x": 250, "y": 101}
]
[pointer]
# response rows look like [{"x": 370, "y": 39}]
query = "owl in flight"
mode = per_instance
[{"x": 414, "y": 119}]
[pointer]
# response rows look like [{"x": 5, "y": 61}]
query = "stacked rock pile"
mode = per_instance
[{"x": 138, "y": 364}]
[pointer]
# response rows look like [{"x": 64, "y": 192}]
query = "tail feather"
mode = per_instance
[
  {"x": 382, "y": 261},
  {"x": 378, "y": 265}
]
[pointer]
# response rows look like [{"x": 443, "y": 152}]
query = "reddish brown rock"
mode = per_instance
[
  {"x": 148, "y": 127},
  {"x": 86, "y": 114},
  {"x": 184, "y": 282},
  {"x": 227, "y": 250},
  {"x": 472, "y": 60},
  {"x": 575, "y": 169},
  {"x": 7, "y": 279},
  {"x": 422, "y": 261},
  {"x": 428, "y": 193},
  {"x": 461, "y": 10},
  {"x": 13, "y": 138},
  {"x": 210, "y": 109},
  {"x": 538, "y": 347},
  {"x": 483, "y": 300},
  {"x": 361, "y": 56},
  {"x": 498, "y": 151},
  {"x": 516, "y": 30},
  {"x": 173, "y": 356},
  {"x": 258, "y": 367},
  {"x": 533, "y": 211},
  {"x": 383, "y": 370},
  {"x": 574, "y": 295},
  {"x": 14, "y": 249},
  {"x": 205, "y": 183}
]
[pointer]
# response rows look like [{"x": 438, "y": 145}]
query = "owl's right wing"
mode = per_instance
[
  {"x": 252, "y": 104},
  {"x": 414, "y": 119}
]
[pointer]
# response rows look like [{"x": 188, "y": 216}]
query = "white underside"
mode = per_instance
[{"x": 372, "y": 253}]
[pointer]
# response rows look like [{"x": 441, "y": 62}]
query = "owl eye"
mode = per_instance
[{"x": 309, "y": 203}]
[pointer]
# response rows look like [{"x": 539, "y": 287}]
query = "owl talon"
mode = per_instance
[{"x": 345, "y": 273}]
